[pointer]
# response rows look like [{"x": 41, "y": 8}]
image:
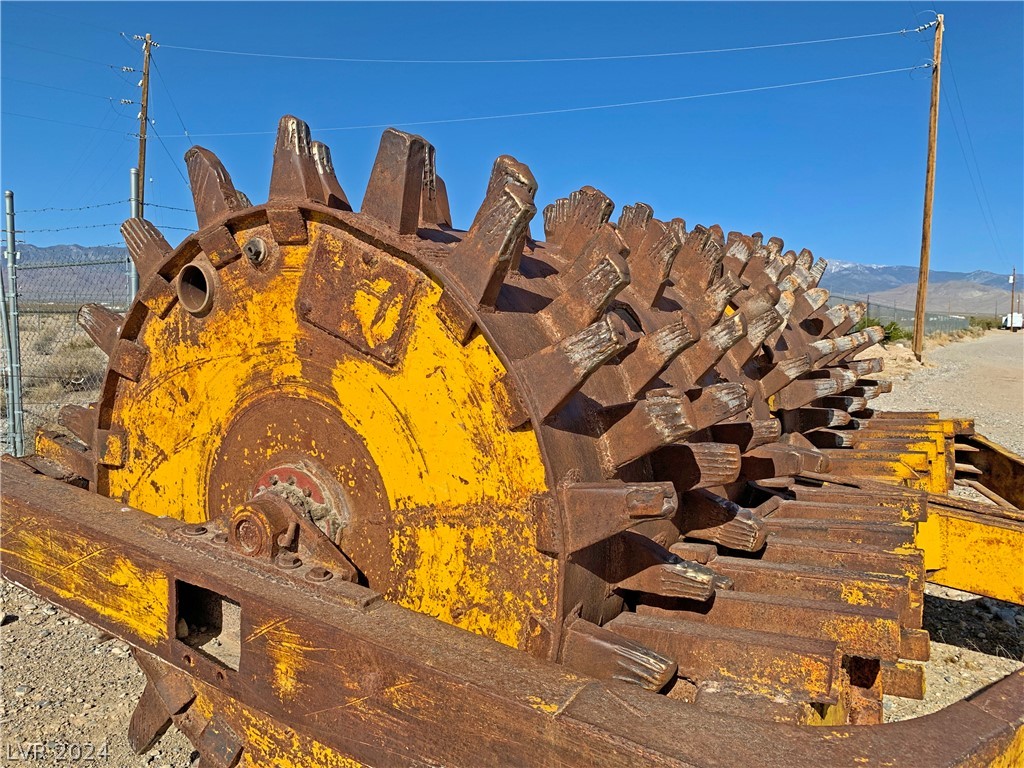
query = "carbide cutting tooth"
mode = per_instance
[
  {"x": 866, "y": 367},
  {"x": 716, "y": 299},
  {"x": 79, "y": 421},
  {"x": 809, "y": 669},
  {"x": 650, "y": 568},
  {"x": 294, "y": 176},
  {"x": 738, "y": 250},
  {"x": 570, "y": 222},
  {"x": 831, "y": 438},
  {"x": 747, "y": 435},
  {"x": 333, "y": 194},
  {"x": 595, "y": 512},
  {"x": 808, "y": 302},
  {"x": 758, "y": 329},
  {"x": 213, "y": 192},
  {"x": 692, "y": 363},
  {"x": 785, "y": 304},
  {"x": 806, "y": 419},
  {"x": 146, "y": 245},
  {"x": 396, "y": 182},
  {"x": 150, "y": 720},
  {"x": 782, "y": 373},
  {"x": 655, "y": 350},
  {"x": 598, "y": 652},
  {"x": 699, "y": 261},
  {"x": 600, "y": 273},
  {"x": 661, "y": 418},
  {"x": 804, "y": 259},
  {"x": 482, "y": 260},
  {"x": 709, "y": 517},
  {"x": 553, "y": 374},
  {"x": 102, "y": 325},
  {"x": 771, "y": 460},
  {"x": 801, "y": 392},
  {"x": 717, "y": 403},
  {"x": 697, "y": 465},
  {"x": 822, "y": 324},
  {"x": 652, "y": 249},
  {"x": 817, "y": 270},
  {"x": 775, "y": 246},
  {"x": 845, "y": 380}
]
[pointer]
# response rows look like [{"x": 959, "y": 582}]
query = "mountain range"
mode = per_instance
[{"x": 978, "y": 292}]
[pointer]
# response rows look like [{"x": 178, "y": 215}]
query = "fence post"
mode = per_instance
[
  {"x": 15, "y": 415},
  {"x": 133, "y": 273}
]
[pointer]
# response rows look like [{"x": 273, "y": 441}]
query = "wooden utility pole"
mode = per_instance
[
  {"x": 144, "y": 121},
  {"x": 1013, "y": 289},
  {"x": 929, "y": 194}
]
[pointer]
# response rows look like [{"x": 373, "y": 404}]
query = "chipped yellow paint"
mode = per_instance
[
  {"x": 1013, "y": 755},
  {"x": 853, "y": 595},
  {"x": 289, "y": 653},
  {"x": 84, "y": 574},
  {"x": 974, "y": 553},
  {"x": 267, "y": 742},
  {"x": 461, "y": 485},
  {"x": 544, "y": 706}
]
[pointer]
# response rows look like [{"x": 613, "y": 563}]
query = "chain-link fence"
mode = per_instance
[
  {"x": 60, "y": 365},
  {"x": 934, "y": 322}
]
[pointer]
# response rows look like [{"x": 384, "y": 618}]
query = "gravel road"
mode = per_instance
[{"x": 67, "y": 688}]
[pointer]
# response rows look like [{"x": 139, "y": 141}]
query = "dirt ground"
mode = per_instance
[{"x": 64, "y": 686}]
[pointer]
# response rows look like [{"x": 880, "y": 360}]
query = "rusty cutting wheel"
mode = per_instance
[{"x": 570, "y": 446}]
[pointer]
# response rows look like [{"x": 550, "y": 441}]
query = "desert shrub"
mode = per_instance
[{"x": 984, "y": 323}]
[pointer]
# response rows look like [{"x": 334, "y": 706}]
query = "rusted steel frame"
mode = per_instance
[
  {"x": 1002, "y": 469},
  {"x": 465, "y": 700}
]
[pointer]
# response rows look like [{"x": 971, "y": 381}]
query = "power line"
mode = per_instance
[
  {"x": 590, "y": 108},
  {"x": 168, "y": 92},
  {"x": 57, "y": 88},
  {"x": 997, "y": 241},
  {"x": 667, "y": 54},
  {"x": 65, "y": 55},
  {"x": 65, "y": 122},
  {"x": 152, "y": 124}
]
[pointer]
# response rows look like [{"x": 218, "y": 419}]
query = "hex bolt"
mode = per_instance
[
  {"x": 319, "y": 574},
  {"x": 194, "y": 530},
  {"x": 287, "y": 561},
  {"x": 256, "y": 250},
  {"x": 220, "y": 538}
]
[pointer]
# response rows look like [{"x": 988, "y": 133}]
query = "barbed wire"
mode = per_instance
[{"x": 79, "y": 208}]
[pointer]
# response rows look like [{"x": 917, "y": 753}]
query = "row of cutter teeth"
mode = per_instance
[{"x": 698, "y": 361}]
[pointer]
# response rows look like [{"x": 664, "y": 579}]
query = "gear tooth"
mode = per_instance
[
  {"x": 717, "y": 403},
  {"x": 633, "y": 221},
  {"x": 762, "y": 326},
  {"x": 738, "y": 250},
  {"x": 699, "y": 260},
  {"x": 717, "y": 298},
  {"x": 692, "y": 363},
  {"x": 697, "y": 465},
  {"x": 555, "y": 373},
  {"x": 483, "y": 258},
  {"x": 79, "y": 421},
  {"x": 331, "y": 191},
  {"x": 507, "y": 169},
  {"x": 652, "y": 249},
  {"x": 663, "y": 417},
  {"x": 790, "y": 283},
  {"x": 589, "y": 286},
  {"x": 570, "y": 223},
  {"x": 807, "y": 419},
  {"x": 656, "y": 350},
  {"x": 102, "y": 325},
  {"x": 784, "y": 372},
  {"x": 831, "y": 438},
  {"x": 801, "y": 392},
  {"x": 146, "y": 245},
  {"x": 817, "y": 271},
  {"x": 775, "y": 247},
  {"x": 595, "y": 512},
  {"x": 710, "y": 517},
  {"x": 747, "y": 434},
  {"x": 866, "y": 367},
  {"x": 804, "y": 259},
  {"x": 294, "y": 176},
  {"x": 434, "y": 210},
  {"x": 654, "y": 570},
  {"x": 598, "y": 652},
  {"x": 243, "y": 199},
  {"x": 396, "y": 181},
  {"x": 213, "y": 192},
  {"x": 785, "y": 304}
]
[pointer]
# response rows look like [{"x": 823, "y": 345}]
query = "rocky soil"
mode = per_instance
[{"x": 66, "y": 687}]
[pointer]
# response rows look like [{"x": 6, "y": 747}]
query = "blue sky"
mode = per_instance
[{"x": 837, "y": 167}]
